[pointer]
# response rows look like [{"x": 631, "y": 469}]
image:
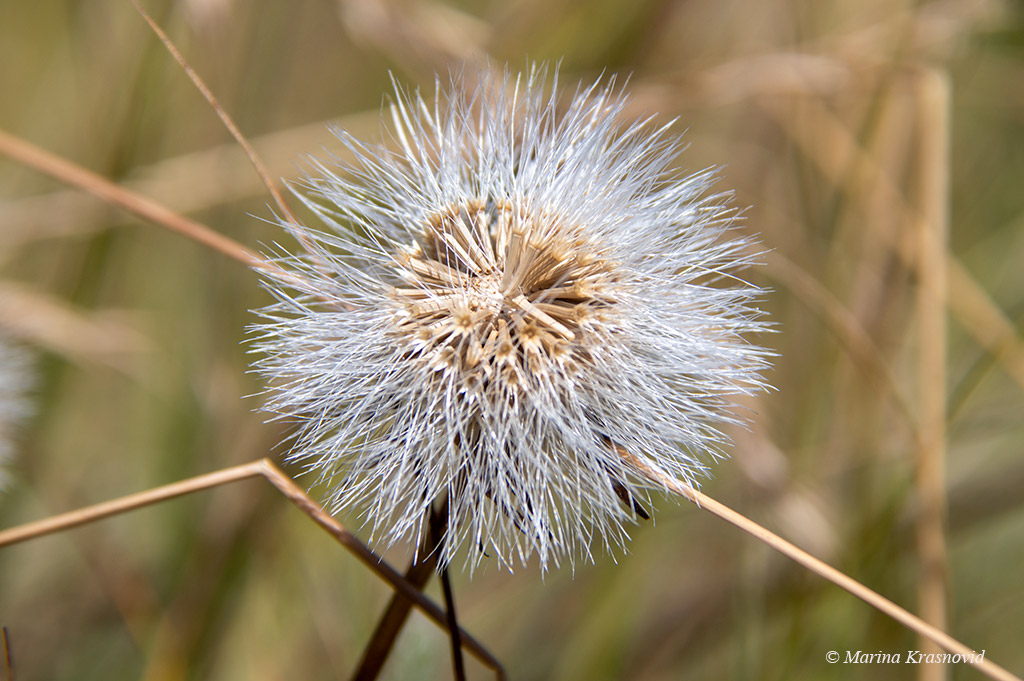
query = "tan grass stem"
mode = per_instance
[
  {"x": 971, "y": 305},
  {"x": 228, "y": 122},
  {"x": 930, "y": 227},
  {"x": 102, "y": 188},
  {"x": 115, "y": 195},
  {"x": 819, "y": 567},
  {"x": 844, "y": 324},
  {"x": 266, "y": 469},
  {"x": 454, "y": 631},
  {"x": 131, "y": 502}
]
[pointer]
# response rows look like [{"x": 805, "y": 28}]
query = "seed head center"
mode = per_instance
[{"x": 490, "y": 289}]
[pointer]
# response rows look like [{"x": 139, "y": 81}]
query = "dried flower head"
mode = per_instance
[{"x": 498, "y": 309}]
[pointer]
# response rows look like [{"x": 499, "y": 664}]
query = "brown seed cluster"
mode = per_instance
[{"x": 493, "y": 291}]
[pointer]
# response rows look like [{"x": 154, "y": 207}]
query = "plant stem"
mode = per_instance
[
  {"x": 420, "y": 569},
  {"x": 458, "y": 665},
  {"x": 294, "y": 494},
  {"x": 102, "y": 188},
  {"x": 931, "y": 227},
  {"x": 228, "y": 122},
  {"x": 818, "y": 567}
]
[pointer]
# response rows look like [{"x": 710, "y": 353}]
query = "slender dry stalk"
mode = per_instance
[
  {"x": 847, "y": 328},
  {"x": 102, "y": 188},
  {"x": 8, "y": 659},
  {"x": 262, "y": 468},
  {"x": 932, "y": 98},
  {"x": 422, "y": 567},
  {"x": 229, "y": 123},
  {"x": 376, "y": 652},
  {"x": 89, "y": 514},
  {"x": 968, "y": 301},
  {"x": 438, "y": 530},
  {"x": 458, "y": 665},
  {"x": 419, "y": 572},
  {"x": 819, "y": 567}
]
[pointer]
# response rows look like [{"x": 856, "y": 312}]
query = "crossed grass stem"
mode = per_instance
[
  {"x": 409, "y": 593},
  {"x": 422, "y": 566}
]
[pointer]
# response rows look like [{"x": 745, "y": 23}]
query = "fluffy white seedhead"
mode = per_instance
[
  {"x": 14, "y": 407},
  {"x": 504, "y": 306}
]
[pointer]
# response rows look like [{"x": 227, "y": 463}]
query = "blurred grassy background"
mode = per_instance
[{"x": 812, "y": 109}]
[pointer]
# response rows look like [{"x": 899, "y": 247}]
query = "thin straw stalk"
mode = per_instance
[
  {"x": 931, "y": 227},
  {"x": 819, "y": 567},
  {"x": 262, "y": 468}
]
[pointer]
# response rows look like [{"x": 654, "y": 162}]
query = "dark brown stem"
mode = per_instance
[
  {"x": 9, "y": 662},
  {"x": 423, "y": 565},
  {"x": 377, "y": 650},
  {"x": 458, "y": 665}
]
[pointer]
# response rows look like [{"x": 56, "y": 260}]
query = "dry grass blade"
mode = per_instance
[
  {"x": 819, "y": 567},
  {"x": 102, "y": 188},
  {"x": 254, "y": 159},
  {"x": 932, "y": 99},
  {"x": 266, "y": 469},
  {"x": 65, "y": 521},
  {"x": 458, "y": 665}
]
